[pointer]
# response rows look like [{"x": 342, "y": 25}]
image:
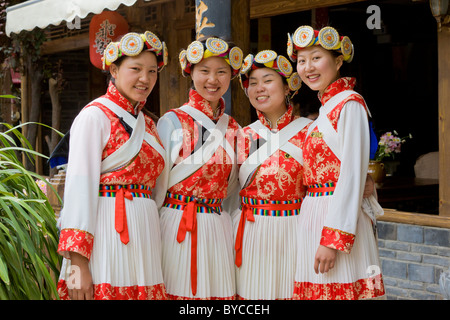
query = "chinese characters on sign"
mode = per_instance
[
  {"x": 104, "y": 27},
  {"x": 104, "y": 36}
]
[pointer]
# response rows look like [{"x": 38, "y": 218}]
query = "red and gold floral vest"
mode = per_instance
[
  {"x": 320, "y": 164},
  {"x": 273, "y": 180},
  {"x": 211, "y": 180},
  {"x": 148, "y": 164}
]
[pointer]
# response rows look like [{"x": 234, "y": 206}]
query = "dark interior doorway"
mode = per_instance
[{"x": 395, "y": 66}]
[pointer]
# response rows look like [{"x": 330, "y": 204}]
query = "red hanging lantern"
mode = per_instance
[{"x": 104, "y": 27}]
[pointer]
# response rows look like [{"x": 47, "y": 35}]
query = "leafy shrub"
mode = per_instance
[{"x": 29, "y": 263}]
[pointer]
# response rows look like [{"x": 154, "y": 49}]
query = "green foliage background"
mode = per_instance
[{"x": 29, "y": 263}]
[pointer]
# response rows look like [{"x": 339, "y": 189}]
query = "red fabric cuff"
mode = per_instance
[
  {"x": 337, "y": 239},
  {"x": 75, "y": 240}
]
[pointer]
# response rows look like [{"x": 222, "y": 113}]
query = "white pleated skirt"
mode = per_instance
[
  {"x": 269, "y": 257},
  {"x": 356, "y": 275},
  {"x": 215, "y": 268},
  {"x": 132, "y": 271}
]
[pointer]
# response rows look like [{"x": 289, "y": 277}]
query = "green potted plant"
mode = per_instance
[{"x": 29, "y": 263}]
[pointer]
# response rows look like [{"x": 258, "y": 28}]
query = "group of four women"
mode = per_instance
[{"x": 197, "y": 207}]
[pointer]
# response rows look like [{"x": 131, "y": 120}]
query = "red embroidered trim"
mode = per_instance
[
  {"x": 282, "y": 122},
  {"x": 174, "y": 297},
  {"x": 333, "y": 116},
  {"x": 341, "y": 84},
  {"x": 337, "y": 239},
  {"x": 362, "y": 289},
  {"x": 75, "y": 240},
  {"x": 114, "y": 94},
  {"x": 200, "y": 103},
  {"x": 105, "y": 291}
]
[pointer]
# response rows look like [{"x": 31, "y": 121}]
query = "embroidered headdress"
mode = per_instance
[
  {"x": 211, "y": 47},
  {"x": 270, "y": 59},
  {"x": 133, "y": 44},
  {"x": 327, "y": 37}
]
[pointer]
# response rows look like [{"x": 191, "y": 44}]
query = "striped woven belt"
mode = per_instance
[
  {"x": 136, "y": 190},
  {"x": 122, "y": 192},
  {"x": 320, "y": 190},
  {"x": 273, "y": 208},
  {"x": 179, "y": 202},
  {"x": 251, "y": 207}
]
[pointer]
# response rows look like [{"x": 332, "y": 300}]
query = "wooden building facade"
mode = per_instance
[{"x": 402, "y": 65}]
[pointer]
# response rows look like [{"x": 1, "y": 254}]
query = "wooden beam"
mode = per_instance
[
  {"x": 80, "y": 41},
  {"x": 444, "y": 120},
  {"x": 268, "y": 8},
  {"x": 142, "y": 4},
  {"x": 264, "y": 34},
  {"x": 240, "y": 32},
  {"x": 6, "y": 85},
  {"x": 174, "y": 88},
  {"x": 135, "y": 18},
  {"x": 420, "y": 219},
  {"x": 24, "y": 101},
  {"x": 188, "y": 22}
]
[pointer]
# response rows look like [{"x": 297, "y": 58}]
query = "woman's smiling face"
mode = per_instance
[
  {"x": 267, "y": 92},
  {"x": 317, "y": 67},
  {"x": 136, "y": 76},
  {"x": 211, "y": 78}
]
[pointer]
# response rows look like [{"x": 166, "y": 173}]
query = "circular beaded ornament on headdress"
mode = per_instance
[
  {"x": 216, "y": 46},
  {"x": 329, "y": 38},
  {"x": 165, "y": 54},
  {"x": 183, "y": 59},
  {"x": 111, "y": 53},
  {"x": 153, "y": 40},
  {"x": 265, "y": 56},
  {"x": 235, "y": 57},
  {"x": 211, "y": 47},
  {"x": 284, "y": 66},
  {"x": 303, "y": 36},
  {"x": 349, "y": 59},
  {"x": 131, "y": 44},
  {"x": 294, "y": 83},
  {"x": 247, "y": 64},
  {"x": 194, "y": 52},
  {"x": 290, "y": 46},
  {"x": 270, "y": 59},
  {"x": 346, "y": 46}
]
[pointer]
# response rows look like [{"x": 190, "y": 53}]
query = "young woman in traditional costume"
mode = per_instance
[
  {"x": 197, "y": 235},
  {"x": 271, "y": 179},
  {"x": 110, "y": 234},
  {"x": 337, "y": 244}
]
